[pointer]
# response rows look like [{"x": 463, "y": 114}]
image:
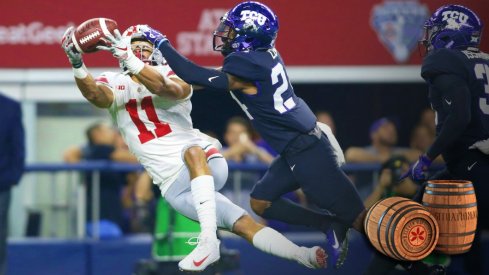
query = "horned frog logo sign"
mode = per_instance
[{"x": 399, "y": 26}]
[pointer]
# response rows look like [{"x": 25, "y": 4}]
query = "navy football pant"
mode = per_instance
[{"x": 309, "y": 163}]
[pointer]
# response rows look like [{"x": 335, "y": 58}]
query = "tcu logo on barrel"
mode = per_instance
[
  {"x": 250, "y": 16},
  {"x": 416, "y": 235}
]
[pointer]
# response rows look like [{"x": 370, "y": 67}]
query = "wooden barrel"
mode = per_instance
[
  {"x": 454, "y": 205},
  {"x": 401, "y": 229}
]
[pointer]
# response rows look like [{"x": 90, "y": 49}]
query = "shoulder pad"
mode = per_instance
[{"x": 444, "y": 61}]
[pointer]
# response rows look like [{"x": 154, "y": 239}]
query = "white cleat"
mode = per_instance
[
  {"x": 314, "y": 257},
  {"x": 205, "y": 254}
]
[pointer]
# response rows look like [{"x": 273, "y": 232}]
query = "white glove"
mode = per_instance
[
  {"x": 121, "y": 49},
  {"x": 73, "y": 55},
  {"x": 482, "y": 145}
]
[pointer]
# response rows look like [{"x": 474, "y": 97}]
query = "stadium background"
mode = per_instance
[{"x": 336, "y": 61}]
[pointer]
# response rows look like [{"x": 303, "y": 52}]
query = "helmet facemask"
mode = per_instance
[
  {"x": 146, "y": 51},
  {"x": 139, "y": 45},
  {"x": 223, "y": 37}
]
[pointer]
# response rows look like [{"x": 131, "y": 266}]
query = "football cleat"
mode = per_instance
[
  {"x": 314, "y": 257},
  {"x": 205, "y": 254},
  {"x": 437, "y": 270},
  {"x": 337, "y": 239}
]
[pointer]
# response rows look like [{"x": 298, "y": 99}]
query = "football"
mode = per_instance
[{"x": 88, "y": 34}]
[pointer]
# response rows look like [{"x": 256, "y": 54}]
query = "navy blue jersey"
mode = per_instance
[
  {"x": 275, "y": 111},
  {"x": 473, "y": 69}
]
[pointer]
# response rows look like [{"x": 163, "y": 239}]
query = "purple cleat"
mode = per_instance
[{"x": 337, "y": 239}]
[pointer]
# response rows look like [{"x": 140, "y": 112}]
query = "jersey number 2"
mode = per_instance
[
  {"x": 480, "y": 71},
  {"x": 146, "y": 135},
  {"x": 278, "y": 101}
]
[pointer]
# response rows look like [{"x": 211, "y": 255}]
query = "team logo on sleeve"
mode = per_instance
[{"x": 399, "y": 26}]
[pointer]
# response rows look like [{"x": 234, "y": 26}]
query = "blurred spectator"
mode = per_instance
[
  {"x": 389, "y": 184},
  {"x": 428, "y": 118},
  {"x": 326, "y": 118},
  {"x": 383, "y": 136},
  {"x": 12, "y": 161},
  {"x": 105, "y": 144},
  {"x": 240, "y": 146},
  {"x": 138, "y": 200},
  {"x": 421, "y": 138}
]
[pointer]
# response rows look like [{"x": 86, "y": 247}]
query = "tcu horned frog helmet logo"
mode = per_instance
[
  {"x": 452, "y": 27},
  {"x": 399, "y": 26},
  {"x": 249, "y": 26}
]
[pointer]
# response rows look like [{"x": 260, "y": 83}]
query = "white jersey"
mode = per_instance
[{"x": 156, "y": 129}]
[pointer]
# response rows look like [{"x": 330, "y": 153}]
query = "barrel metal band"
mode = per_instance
[
  {"x": 449, "y": 193},
  {"x": 449, "y": 206},
  {"x": 467, "y": 185},
  {"x": 379, "y": 223}
]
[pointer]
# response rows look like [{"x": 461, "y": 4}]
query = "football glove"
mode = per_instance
[
  {"x": 418, "y": 169},
  {"x": 153, "y": 36},
  {"x": 121, "y": 49},
  {"x": 73, "y": 55}
]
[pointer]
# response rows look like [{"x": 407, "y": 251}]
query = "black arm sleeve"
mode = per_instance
[
  {"x": 456, "y": 100},
  {"x": 193, "y": 73}
]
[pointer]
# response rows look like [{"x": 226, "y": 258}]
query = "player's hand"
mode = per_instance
[
  {"x": 418, "y": 169},
  {"x": 73, "y": 55},
  {"x": 120, "y": 48},
  {"x": 154, "y": 36}
]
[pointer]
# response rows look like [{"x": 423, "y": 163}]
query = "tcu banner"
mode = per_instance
[{"x": 312, "y": 32}]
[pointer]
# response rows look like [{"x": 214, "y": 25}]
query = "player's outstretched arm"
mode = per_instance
[
  {"x": 186, "y": 69},
  {"x": 148, "y": 76},
  {"x": 99, "y": 96},
  {"x": 158, "y": 84}
]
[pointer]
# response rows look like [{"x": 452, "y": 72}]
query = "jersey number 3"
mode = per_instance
[
  {"x": 480, "y": 71},
  {"x": 146, "y": 135}
]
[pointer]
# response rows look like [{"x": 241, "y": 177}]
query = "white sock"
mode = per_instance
[
  {"x": 205, "y": 203},
  {"x": 272, "y": 242}
]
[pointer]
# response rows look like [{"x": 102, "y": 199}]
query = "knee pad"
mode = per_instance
[{"x": 219, "y": 169}]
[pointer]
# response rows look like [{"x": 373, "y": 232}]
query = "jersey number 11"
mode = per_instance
[{"x": 146, "y": 135}]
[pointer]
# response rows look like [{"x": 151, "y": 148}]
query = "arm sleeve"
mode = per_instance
[
  {"x": 18, "y": 146},
  {"x": 456, "y": 92},
  {"x": 193, "y": 73}
]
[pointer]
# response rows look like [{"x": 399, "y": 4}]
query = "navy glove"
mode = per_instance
[
  {"x": 418, "y": 169},
  {"x": 153, "y": 36}
]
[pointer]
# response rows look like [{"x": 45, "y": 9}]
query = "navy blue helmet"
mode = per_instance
[
  {"x": 452, "y": 27},
  {"x": 249, "y": 26}
]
